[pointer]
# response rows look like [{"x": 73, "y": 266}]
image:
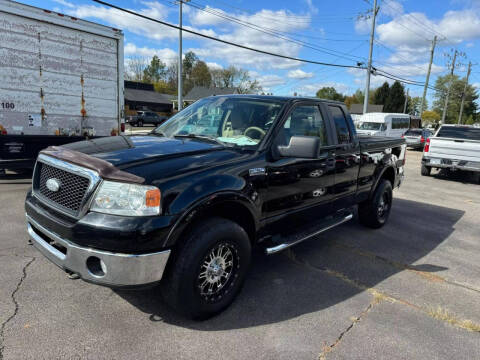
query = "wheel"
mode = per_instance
[
  {"x": 140, "y": 123},
  {"x": 426, "y": 170},
  {"x": 209, "y": 269},
  {"x": 374, "y": 212}
]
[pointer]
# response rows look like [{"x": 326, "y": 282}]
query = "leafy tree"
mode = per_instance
[
  {"x": 471, "y": 95},
  {"x": 330, "y": 93},
  {"x": 381, "y": 94},
  {"x": 165, "y": 87},
  {"x": 396, "y": 99},
  {"x": 431, "y": 117},
  {"x": 233, "y": 77},
  {"x": 189, "y": 62},
  {"x": 356, "y": 98},
  {"x": 156, "y": 71},
  {"x": 413, "y": 105},
  {"x": 201, "y": 75}
]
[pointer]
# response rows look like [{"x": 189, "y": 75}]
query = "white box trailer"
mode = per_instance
[{"x": 61, "y": 80}]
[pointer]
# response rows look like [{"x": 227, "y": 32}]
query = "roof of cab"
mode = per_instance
[{"x": 282, "y": 98}]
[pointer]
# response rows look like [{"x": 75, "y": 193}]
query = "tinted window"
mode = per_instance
[
  {"x": 400, "y": 123},
  {"x": 343, "y": 133},
  {"x": 305, "y": 121},
  {"x": 413, "y": 132},
  {"x": 458, "y": 132}
]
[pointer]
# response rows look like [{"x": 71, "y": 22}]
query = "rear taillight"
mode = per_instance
[
  {"x": 427, "y": 146},
  {"x": 122, "y": 127},
  {"x": 422, "y": 139},
  {"x": 402, "y": 136},
  {"x": 3, "y": 131}
]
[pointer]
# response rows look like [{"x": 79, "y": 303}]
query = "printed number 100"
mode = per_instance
[{"x": 8, "y": 105}]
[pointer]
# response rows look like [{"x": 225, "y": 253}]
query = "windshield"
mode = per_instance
[
  {"x": 231, "y": 121},
  {"x": 413, "y": 132},
  {"x": 371, "y": 126}
]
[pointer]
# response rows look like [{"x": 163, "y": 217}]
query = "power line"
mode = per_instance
[
  {"x": 275, "y": 33},
  {"x": 225, "y": 41}
]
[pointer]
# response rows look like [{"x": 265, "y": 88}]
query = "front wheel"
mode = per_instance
[
  {"x": 140, "y": 123},
  {"x": 374, "y": 212},
  {"x": 209, "y": 269}
]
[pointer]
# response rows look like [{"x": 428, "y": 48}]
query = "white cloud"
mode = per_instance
[
  {"x": 167, "y": 55},
  {"x": 214, "y": 65},
  {"x": 470, "y": 45},
  {"x": 268, "y": 81},
  {"x": 391, "y": 8},
  {"x": 207, "y": 17},
  {"x": 312, "y": 88},
  {"x": 65, "y": 3},
  {"x": 299, "y": 74}
]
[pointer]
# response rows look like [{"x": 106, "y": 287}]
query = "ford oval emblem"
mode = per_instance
[{"x": 53, "y": 184}]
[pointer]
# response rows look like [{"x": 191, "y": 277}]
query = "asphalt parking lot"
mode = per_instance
[{"x": 410, "y": 290}]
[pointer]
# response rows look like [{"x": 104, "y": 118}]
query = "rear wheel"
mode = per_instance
[
  {"x": 374, "y": 212},
  {"x": 209, "y": 269},
  {"x": 426, "y": 170},
  {"x": 140, "y": 123}
]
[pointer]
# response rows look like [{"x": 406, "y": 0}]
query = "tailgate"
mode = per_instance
[{"x": 455, "y": 149}]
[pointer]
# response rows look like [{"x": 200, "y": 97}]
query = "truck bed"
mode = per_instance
[{"x": 369, "y": 143}]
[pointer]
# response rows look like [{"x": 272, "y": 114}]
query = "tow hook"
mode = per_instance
[{"x": 72, "y": 276}]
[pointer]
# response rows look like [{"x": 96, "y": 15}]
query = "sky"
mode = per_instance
[{"x": 328, "y": 31}]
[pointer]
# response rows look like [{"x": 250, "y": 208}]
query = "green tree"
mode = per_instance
[
  {"x": 471, "y": 95},
  {"x": 381, "y": 94},
  {"x": 189, "y": 62},
  {"x": 233, "y": 77},
  {"x": 430, "y": 117},
  {"x": 396, "y": 99},
  {"x": 201, "y": 75},
  {"x": 413, "y": 105},
  {"x": 330, "y": 93},
  {"x": 156, "y": 71}
]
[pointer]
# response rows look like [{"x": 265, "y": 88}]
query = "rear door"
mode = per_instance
[{"x": 347, "y": 158}]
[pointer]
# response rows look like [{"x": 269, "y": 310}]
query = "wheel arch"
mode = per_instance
[{"x": 388, "y": 173}]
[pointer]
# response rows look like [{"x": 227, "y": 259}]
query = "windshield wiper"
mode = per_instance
[
  {"x": 200, "y": 137},
  {"x": 158, "y": 132}
]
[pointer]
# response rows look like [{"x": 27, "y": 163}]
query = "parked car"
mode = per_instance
[
  {"x": 383, "y": 124},
  {"x": 186, "y": 203},
  {"x": 146, "y": 117},
  {"x": 416, "y": 138},
  {"x": 453, "y": 147}
]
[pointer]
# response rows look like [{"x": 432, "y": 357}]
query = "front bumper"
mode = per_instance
[{"x": 96, "y": 266}]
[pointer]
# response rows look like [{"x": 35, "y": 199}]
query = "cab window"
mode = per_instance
[
  {"x": 343, "y": 133},
  {"x": 304, "y": 120}
]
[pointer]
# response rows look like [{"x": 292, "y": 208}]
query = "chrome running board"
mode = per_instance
[{"x": 302, "y": 237}]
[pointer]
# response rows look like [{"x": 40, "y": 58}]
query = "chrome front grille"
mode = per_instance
[
  {"x": 76, "y": 184},
  {"x": 72, "y": 187}
]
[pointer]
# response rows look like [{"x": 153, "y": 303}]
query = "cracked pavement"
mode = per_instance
[{"x": 410, "y": 290}]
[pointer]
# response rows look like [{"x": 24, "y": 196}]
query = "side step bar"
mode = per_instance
[{"x": 296, "y": 240}]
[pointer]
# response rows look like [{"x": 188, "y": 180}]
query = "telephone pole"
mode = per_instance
[
  {"x": 180, "y": 77},
  {"x": 432, "y": 50},
  {"x": 369, "y": 66},
  {"x": 464, "y": 91},
  {"x": 405, "y": 105},
  {"x": 444, "y": 114}
]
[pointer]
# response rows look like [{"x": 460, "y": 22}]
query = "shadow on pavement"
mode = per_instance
[
  {"x": 11, "y": 177},
  {"x": 464, "y": 177},
  {"x": 279, "y": 289}
]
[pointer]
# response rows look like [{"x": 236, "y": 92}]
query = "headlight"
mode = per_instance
[{"x": 126, "y": 199}]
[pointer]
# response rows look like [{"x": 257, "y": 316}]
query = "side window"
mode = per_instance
[
  {"x": 343, "y": 133},
  {"x": 305, "y": 120}
]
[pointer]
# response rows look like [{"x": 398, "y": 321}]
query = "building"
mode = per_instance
[
  {"x": 200, "y": 92},
  {"x": 357, "y": 109},
  {"x": 142, "y": 96}
]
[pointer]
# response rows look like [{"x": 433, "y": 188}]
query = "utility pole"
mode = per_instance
[
  {"x": 405, "y": 105},
  {"x": 434, "y": 42},
  {"x": 180, "y": 77},
  {"x": 464, "y": 91},
  {"x": 444, "y": 114},
  {"x": 369, "y": 66}
]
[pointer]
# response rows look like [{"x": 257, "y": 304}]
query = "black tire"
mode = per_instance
[
  {"x": 375, "y": 211},
  {"x": 140, "y": 123},
  {"x": 182, "y": 286},
  {"x": 426, "y": 170}
]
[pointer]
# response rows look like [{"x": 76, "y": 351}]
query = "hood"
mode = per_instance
[
  {"x": 148, "y": 156},
  {"x": 123, "y": 150}
]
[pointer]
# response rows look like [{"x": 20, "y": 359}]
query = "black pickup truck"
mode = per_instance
[{"x": 186, "y": 203}]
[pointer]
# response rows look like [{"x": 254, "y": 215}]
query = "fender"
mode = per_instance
[
  {"x": 389, "y": 165},
  {"x": 208, "y": 201}
]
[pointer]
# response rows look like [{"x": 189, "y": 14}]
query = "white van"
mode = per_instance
[{"x": 383, "y": 124}]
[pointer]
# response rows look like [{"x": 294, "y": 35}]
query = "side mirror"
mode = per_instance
[{"x": 306, "y": 147}]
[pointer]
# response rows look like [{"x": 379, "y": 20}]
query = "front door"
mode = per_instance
[{"x": 301, "y": 187}]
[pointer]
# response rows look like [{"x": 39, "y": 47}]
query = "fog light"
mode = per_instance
[{"x": 96, "y": 266}]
